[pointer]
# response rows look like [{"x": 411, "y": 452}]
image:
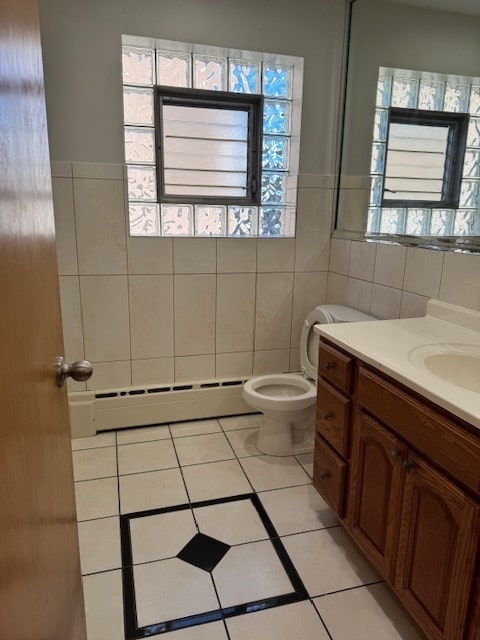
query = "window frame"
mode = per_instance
[
  {"x": 202, "y": 98},
  {"x": 457, "y": 124}
]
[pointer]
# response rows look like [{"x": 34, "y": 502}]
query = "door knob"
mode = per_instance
[{"x": 80, "y": 370}]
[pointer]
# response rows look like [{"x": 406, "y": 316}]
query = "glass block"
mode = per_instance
[
  {"x": 242, "y": 221},
  {"x": 474, "y": 108},
  {"x": 384, "y": 91},
  {"x": 272, "y": 222},
  {"x": 138, "y": 106},
  {"x": 418, "y": 222},
  {"x": 142, "y": 183},
  {"x": 456, "y": 97},
  {"x": 404, "y": 93},
  {"x": 244, "y": 76},
  {"x": 392, "y": 221},
  {"x": 373, "y": 220},
  {"x": 471, "y": 164},
  {"x": 137, "y": 65},
  {"x": 210, "y": 221},
  {"x": 380, "y": 125},
  {"x": 376, "y": 192},
  {"x": 276, "y": 117},
  {"x": 275, "y": 153},
  {"x": 378, "y": 158},
  {"x": 144, "y": 219},
  {"x": 139, "y": 145},
  {"x": 466, "y": 222},
  {"x": 209, "y": 73},
  {"x": 470, "y": 193},
  {"x": 277, "y": 81},
  {"x": 441, "y": 222},
  {"x": 177, "y": 220},
  {"x": 430, "y": 96},
  {"x": 473, "y": 136},
  {"x": 273, "y": 188},
  {"x": 174, "y": 69}
]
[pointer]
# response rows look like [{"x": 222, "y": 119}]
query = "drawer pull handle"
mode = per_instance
[
  {"x": 326, "y": 415},
  {"x": 329, "y": 366},
  {"x": 323, "y": 474},
  {"x": 408, "y": 465},
  {"x": 395, "y": 455}
]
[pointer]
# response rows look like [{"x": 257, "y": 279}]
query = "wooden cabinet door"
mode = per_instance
[
  {"x": 437, "y": 551},
  {"x": 375, "y": 495}
]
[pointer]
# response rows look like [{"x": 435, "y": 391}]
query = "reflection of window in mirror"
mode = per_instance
[
  {"x": 424, "y": 158},
  {"x": 438, "y": 111}
]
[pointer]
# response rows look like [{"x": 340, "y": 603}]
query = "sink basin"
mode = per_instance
[{"x": 458, "y": 365}]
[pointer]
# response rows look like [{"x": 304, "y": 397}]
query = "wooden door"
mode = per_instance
[
  {"x": 437, "y": 551},
  {"x": 375, "y": 495},
  {"x": 40, "y": 585}
]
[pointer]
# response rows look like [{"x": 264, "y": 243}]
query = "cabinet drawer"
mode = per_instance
[
  {"x": 329, "y": 474},
  {"x": 439, "y": 439},
  {"x": 336, "y": 367},
  {"x": 333, "y": 417}
]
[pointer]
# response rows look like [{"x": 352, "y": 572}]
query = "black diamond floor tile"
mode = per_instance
[{"x": 203, "y": 552}]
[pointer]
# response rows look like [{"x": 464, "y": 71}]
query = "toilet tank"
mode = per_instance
[{"x": 323, "y": 314}]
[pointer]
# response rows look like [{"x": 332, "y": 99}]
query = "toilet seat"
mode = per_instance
[{"x": 286, "y": 391}]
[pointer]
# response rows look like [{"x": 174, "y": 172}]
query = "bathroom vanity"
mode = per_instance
[{"x": 397, "y": 457}]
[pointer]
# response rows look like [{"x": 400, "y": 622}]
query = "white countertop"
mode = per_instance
[{"x": 394, "y": 346}]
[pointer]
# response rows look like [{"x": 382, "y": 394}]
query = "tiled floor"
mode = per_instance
[{"x": 187, "y": 532}]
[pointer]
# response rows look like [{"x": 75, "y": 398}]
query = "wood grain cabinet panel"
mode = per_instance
[
  {"x": 376, "y": 485},
  {"x": 329, "y": 474},
  {"x": 437, "y": 550},
  {"x": 333, "y": 417},
  {"x": 335, "y": 367}
]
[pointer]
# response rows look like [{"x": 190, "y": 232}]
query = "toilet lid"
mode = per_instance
[{"x": 323, "y": 314}]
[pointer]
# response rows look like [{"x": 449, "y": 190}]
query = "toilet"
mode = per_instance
[{"x": 287, "y": 400}]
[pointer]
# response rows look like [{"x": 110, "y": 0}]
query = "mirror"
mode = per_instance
[{"x": 414, "y": 52}]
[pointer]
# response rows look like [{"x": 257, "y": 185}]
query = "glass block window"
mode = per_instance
[
  {"x": 204, "y": 190},
  {"x": 427, "y": 92}
]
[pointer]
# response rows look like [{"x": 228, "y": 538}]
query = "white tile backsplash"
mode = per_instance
[
  {"x": 423, "y": 272},
  {"x": 273, "y": 310},
  {"x": 275, "y": 254},
  {"x": 235, "y": 312},
  {"x": 194, "y": 314},
  {"x": 62, "y": 189}
]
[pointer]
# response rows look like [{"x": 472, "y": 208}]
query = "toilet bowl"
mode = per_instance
[{"x": 287, "y": 400}]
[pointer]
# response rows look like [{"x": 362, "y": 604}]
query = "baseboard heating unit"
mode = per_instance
[{"x": 94, "y": 411}]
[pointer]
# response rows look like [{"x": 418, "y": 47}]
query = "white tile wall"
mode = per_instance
[{"x": 403, "y": 279}]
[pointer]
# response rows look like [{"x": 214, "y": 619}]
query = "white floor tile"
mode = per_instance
[
  {"x": 194, "y": 428},
  {"x": 250, "y": 572},
  {"x": 215, "y": 480},
  {"x": 146, "y": 456},
  {"x": 297, "y": 621},
  {"x": 249, "y": 421},
  {"x": 244, "y": 442},
  {"x": 171, "y": 589},
  {"x": 210, "y": 631},
  {"x": 274, "y": 472},
  {"x": 306, "y": 460},
  {"x": 204, "y": 448},
  {"x": 151, "y": 490},
  {"x": 104, "y": 605},
  {"x": 91, "y": 442},
  {"x": 161, "y": 536},
  {"x": 99, "y": 545},
  {"x": 143, "y": 434},
  {"x": 327, "y": 560},
  {"x": 96, "y": 498},
  {"x": 89, "y": 464},
  {"x": 376, "y": 615},
  {"x": 297, "y": 509},
  {"x": 231, "y": 522}
]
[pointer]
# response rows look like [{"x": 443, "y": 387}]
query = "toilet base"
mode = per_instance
[{"x": 278, "y": 437}]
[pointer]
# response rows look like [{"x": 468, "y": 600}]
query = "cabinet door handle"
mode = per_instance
[
  {"x": 408, "y": 465},
  {"x": 326, "y": 415},
  {"x": 323, "y": 474},
  {"x": 329, "y": 365},
  {"x": 395, "y": 455}
]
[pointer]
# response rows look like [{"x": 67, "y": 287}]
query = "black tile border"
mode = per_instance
[{"x": 132, "y": 632}]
